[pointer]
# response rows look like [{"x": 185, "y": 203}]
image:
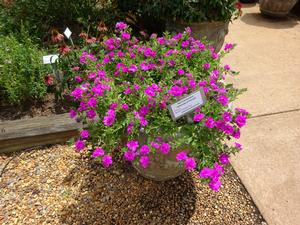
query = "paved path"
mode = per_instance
[{"x": 268, "y": 57}]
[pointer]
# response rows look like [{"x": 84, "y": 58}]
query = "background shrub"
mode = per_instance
[
  {"x": 21, "y": 70},
  {"x": 39, "y": 17}
]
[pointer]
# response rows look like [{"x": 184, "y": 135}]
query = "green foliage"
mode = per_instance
[
  {"x": 186, "y": 10},
  {"x": 39, "y": 17},
  {"x": 21, "y": 70}
]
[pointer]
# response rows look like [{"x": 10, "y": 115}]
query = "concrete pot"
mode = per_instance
[
  {"x": 162, "y": 167},
  {"x": 276, "y": 8},
  {"x": 215, "y": 32}
]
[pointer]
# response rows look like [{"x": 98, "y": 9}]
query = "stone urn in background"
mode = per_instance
[
  {"x": 162, "y": 167},
  {"x": 276, "y": 8},
  {"x": 214, "y": 32}
]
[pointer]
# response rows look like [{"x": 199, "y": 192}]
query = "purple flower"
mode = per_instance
[
  {"x": 145, "y": 150},
  {"x": 172, "y": 63},
  {"x": 136, "y": 87},
  {"x": 129, "y": 128},
  {"x": 222, "y": 99},
  {"x": 238, "y": 146},
  {"x": 133, "y": 145},
  {"x": 125, "y": 106},
  {"x": 240, "y": 120},
  {"x": 198, "y": 117},
  {"x": 226, "y": 67},
  {"x": 91, "y": 114},
  {"x": 215, "y": 184},
  {"x": 92, "y": 102},
  {"x": 185, "y": 44},
  {"x": 125, "y": 36},
  {"x": 150, "y": 91},
  {"x": 79, "y": 145},
  {"x": 180, "y": 72},
  {"x": 228, "y": 47},
  {"x": 236, "y": 134},
  {"x": 144, "y": 161},
  {"x": 98, "y": 152},
  {"x": 206, "y": 172},
  {"x": 224, "y": 158},
  {"x": 202, "y": 83},
  {"x": 192, "y": 84},
  {"x": 154, "y": 145},
  {"x": 106, "y": 161},
  {"x": 144, "y": 110},
  {"x": 72, "y": 113},
  {"x": 190, "y": 164},
  {"x": 77, "y": 93},
  {"x": 206, "y": 66},
  {"x": 209, "y": 123},
  {"x": 127, "y": 91},
  {"x": 113, "y": 106},
  {"x": 78, "y": 79},
  {"x": 176, "y": 91},
  {"x": 84, "y": 134},
  {"x": 121, "y": 25},
  {"x": 181, "y": 156},
  {"x": 129, "y": 156},
  {"x": 228, "y": 129},
  {"x": 143, "y": 121},
  {"x": 165, "y": 148},
  {"x": 243, "y": 112},
  {"x": 227, "y": 117}
]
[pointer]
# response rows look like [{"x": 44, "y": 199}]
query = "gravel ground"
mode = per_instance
[{"x": 55, "y": 185}]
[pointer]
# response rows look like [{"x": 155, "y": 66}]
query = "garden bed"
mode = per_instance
[
  {"x": 56, "y": 185},
  {"x": 49, "y": 106}
]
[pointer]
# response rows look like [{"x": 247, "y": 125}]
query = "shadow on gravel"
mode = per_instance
[
  {"x": 257, "y": 19},
  {"x": 121, "y": 196}
]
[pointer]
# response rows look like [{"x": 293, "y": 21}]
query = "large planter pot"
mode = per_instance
[
  {"x": 215, "y": 32},
  {"x": 162, "y": 167},
  {"x": 277, "y": 8}
]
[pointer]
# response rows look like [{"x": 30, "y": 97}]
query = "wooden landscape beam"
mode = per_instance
[{"x": 25, "y": 133}]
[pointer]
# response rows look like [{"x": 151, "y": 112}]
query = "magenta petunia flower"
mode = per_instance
[
  {"x": 125, "y": 106},
  {"x": 185, "y": 44},
  {"x": 84, "y": 134},
  {"x": 79, "y": 145},
  {"x": 98, "y": 152},
  {"x": 106, "y": 161},
  {"x": 125, "y": 36},
  {"x": 224, "y": 158},
  {"x": 236, "y": 134},
  {"x": 228, "y": 129},
  {"x": 198, "y": 117},
  {"x": 165, "y": 148},
  {"x": 132, "y": 145},
  {"x": 190, "y": 164},
  {"x": 192, "y": 84},
  {"x": 78, "y": 79},
  {"x": 215, "y": 184},
  {"x": 129, "y": 156},
  {"x": 91, "y": 114},
  {"x": 228, "y": 46},
  {"x": 227, "y": 117},
  {"x": 154, "y": 145},
  {"x": 145, "y": 150},
  {"x": 227, "y": 67},
  {"x": 143, "y": 121},
  {"x": 206, "y": 172},
  {"x": 240, "y": 120},
  {"x": 222, "y": 99},
  {"x": 209, "y": 123},
  {"x": 92, "y": 102},
  {"x": 113, "y": 106},
  {"x": 121, "y": 25},
  {"x": 150, "y": 91},
  {"x": 176, "y": 91},
  {"x": 181, "y": 156},
  {"x": 72, "y": 114},
  {"x": 238, "y": 146},
  {"x": 144, "y": 161},
  {"x": 206, "y": 66}
]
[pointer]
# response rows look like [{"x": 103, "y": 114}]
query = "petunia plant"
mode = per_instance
[{"x": 124, "y": 91}]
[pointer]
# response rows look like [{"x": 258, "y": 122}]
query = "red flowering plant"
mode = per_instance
[{"x": 127, "y": 87}]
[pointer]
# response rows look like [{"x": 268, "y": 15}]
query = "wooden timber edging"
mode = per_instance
[{"x": 26, "y": 133}]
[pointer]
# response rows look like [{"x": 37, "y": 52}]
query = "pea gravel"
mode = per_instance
[{"x": 56, "y": 185}]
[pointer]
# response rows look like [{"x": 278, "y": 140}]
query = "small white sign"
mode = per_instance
[
  {"x": 68, "y": 33},
  {"x": 49, "y": 59},
  {"x": 187, "y": 104}
]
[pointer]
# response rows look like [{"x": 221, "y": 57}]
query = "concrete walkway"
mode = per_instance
[{"x": 268, "y": 57}]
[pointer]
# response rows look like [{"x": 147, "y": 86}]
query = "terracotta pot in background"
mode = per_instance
[{"x": 276, "y": 8}]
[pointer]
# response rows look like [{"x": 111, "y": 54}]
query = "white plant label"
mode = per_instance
[
  {"x": 68, "y": 33},
  {"x": 50, "y": 59},
  {"x": 187, "y": 104}
]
